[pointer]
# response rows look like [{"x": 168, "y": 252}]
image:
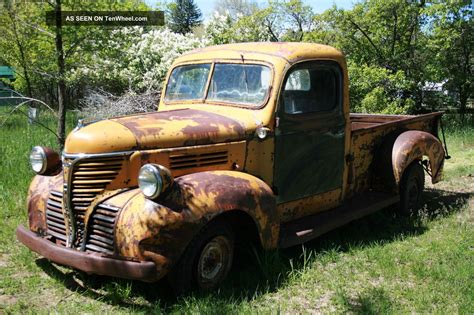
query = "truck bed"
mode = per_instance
[
  {"x": 370, "y": 121},
  {"x": 368, "y": 132}
]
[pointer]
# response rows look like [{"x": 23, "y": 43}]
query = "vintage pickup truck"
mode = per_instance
[{"x": 250, "y": 141}]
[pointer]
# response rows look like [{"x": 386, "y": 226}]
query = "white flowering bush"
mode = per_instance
[
  {"x": 152, "y": 55},
  {"x": 221, "y": 28},
  {"x": 217, "y": 28},
  {"x": 126, "y": 74},
  {"x": 133, "y": 58}
]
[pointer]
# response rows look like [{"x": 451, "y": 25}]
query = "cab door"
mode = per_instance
[{"x": 309, "y": 138}]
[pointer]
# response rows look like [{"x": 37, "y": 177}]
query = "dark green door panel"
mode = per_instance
[
  {"x": 308, "y": 162},
  {"x": 309, "y": 139}
]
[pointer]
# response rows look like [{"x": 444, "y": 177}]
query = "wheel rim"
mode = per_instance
[{"x": 214, "y": 262}]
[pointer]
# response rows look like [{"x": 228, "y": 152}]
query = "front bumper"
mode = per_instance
[{"x": 91, "y": 263}]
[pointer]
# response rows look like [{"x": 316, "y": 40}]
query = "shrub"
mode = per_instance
[
  {"x": 135, "y": 59},
  {"x": 377, "y": 90},
  {"x": 99, "y": 104}
]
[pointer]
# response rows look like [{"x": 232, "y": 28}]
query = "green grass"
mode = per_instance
[{"x": 380, "y": 264}]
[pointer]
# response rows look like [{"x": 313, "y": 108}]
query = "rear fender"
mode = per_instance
[{"x": 413, "y": 145}]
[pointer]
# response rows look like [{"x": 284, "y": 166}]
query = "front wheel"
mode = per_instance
[
  {"x": 206, "y": 261},
  {"x": 411, "y": 188}
]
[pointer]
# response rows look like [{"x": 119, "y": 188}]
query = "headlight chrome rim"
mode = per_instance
[
  {"x": 45, "y": 161},
  {"x": 43, "y": 158},
  {"x": 150, "y": 181}
]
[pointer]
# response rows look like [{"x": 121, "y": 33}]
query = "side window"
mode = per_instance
[{"x": 313, "y": 87}]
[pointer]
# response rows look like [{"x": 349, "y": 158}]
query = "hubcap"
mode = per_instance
[{"x": 214, "y": 261}]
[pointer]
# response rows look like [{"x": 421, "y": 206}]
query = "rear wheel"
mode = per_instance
[
  {"x": 207, "y": 260},
  {"x": 411, "y": 188}
]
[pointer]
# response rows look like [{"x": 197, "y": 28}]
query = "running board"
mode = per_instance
[{"x": 306, "y": 228}]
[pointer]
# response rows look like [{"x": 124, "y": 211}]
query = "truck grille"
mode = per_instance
[
  {"x": 89, "y": 179},
  {"x": 55, "y": 217},
  {"x": 100, "y": 235},
  {"x": 197, "y": 160}
]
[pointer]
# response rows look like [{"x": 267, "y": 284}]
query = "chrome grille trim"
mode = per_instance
[
  {"x": 80, "y": 186},
  {"x": 55, "y": 223}
]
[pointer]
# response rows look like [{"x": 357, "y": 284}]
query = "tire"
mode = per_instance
[
  {"x": 411, "y": 189},
  {"x": 206, "y": 261}
]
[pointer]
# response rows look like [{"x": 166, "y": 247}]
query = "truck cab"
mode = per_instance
[{"x": 250, "y": 141}]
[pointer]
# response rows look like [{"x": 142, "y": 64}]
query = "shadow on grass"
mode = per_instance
[
  {"x": 371, "y": 301},
  {"x": 257, "y": 272}
]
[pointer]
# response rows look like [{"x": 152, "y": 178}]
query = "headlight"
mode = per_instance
[
  {"x": 153, "y": 179},
  {"x": 38, "y": 160},
  {"x": 44, "y": 161}
]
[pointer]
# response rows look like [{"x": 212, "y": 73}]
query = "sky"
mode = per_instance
[{"x": 207, "y": 6}]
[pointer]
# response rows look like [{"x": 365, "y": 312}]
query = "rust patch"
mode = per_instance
[
  {"x": 299, "y": 208},
  {"x": 413, "y": 145},
  {"x": 38, "y": 194},
  {"x": 165, "y": 228},
  {"x": 366, "y": 141},
  {"x": 182, "y": 128}
]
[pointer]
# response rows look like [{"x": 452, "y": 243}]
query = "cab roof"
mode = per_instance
[{"x": 264, "y": 51}]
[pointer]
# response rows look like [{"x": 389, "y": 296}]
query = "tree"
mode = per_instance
[
  {"x": 451, "y": 39},
  {"x": 45, "y": 56},
  {"x": 278, "y": 21},
  {"x": 386, "y": 34},
  {"x": 61, "y": 71},
  {"x": 184, "y": 15},
  {"x": 236, "y": 8},
  {"x": 13, "y": 34},
  {"x": 142, "y": 64}
]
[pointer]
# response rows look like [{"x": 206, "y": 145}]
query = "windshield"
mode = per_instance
[
  {"x": 232, "y": 83},
  {"x": 188, "y": 82}
]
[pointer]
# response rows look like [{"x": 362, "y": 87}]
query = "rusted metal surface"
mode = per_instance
[
  {"x": 53, "y": 162},
  {"x": 299, "y": 208},
  {"x": 366, "y": 144},
  {"x": 99, "y": 137},
  {"x": 375, "y": 121},
  {"x": 185, "y": 160},
  {"x": 259, "y": 160},
  {"x": 165, "y": 227},
  {"x": 290, "y": 52},
  {"x": 176, "y": 128},
  {"x": 304, "y": 229},
  {"x": 413, "y": 145},
  {"x": 38, "y": 193},
  {"x": 219, "y": 167},
  {"x": 90, "y": 263}
]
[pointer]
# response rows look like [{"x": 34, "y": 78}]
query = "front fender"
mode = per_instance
[
  {"x": 413, "y": 145},
  {"x": 38, "y": 192},
  {"x": 145, "y": 228}
]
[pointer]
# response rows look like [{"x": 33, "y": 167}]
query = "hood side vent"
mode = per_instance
[{"x": 183, "y": 161}]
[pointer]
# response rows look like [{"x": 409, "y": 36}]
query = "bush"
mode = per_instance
[
  {"x": 377, "y": 90},
  {"x": 99, "y": 104},
  {"x": 135, "y": 59}
]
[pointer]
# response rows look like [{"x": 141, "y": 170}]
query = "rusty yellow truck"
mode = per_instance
[{"x": 249, "y": 140}]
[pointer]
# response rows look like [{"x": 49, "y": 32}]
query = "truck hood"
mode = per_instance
[{"x": 175, "y": 128}]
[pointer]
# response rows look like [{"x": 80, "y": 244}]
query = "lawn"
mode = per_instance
[{"x": 379, "y": 264}]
